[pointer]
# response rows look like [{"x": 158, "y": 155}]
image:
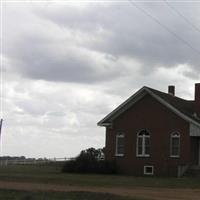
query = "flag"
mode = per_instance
[{"x": 1, "y": 123}]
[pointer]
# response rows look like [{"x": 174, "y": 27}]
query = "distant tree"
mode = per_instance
[{"x": 92, "y": 153}]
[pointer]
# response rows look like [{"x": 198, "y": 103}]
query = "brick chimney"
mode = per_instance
[
  {"x": 197, "y": 98},
  {"x": 171, "y": 90}
]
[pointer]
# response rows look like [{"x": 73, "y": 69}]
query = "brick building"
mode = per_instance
[{"x": 154, "y": 133}]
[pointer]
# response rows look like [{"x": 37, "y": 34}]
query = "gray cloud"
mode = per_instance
[
  {"x": 74, "y": 44},
  {"x": 66, "y": 67},
  {"x": 126, "y": 31}
]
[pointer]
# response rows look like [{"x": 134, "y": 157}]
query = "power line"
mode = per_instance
[
  {"x": 164, "y": 27},
  {"x": 182, "y": 16}
]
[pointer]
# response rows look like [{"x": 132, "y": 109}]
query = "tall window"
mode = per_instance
[
  {"x": 143, "y": 144},
  {"x": 175, "y": 145},
  {"x": 119, "y": 144}
]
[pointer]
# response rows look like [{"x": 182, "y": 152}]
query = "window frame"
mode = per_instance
[
  {"x": 175, "y": 135},
  {"x": 148, "y": 173},
  {"x": 119, "y": 135},
  {"x": 143, "y": 154}
]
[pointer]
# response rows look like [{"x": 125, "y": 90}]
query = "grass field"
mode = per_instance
[
  {"x": 51, "y": 174},
  {"x": 24, "y": 195}
]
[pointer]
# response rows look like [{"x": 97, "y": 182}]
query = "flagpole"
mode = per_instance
[
  {"x": 1, "y": 74},
  {"x": 1, "y": 124}
]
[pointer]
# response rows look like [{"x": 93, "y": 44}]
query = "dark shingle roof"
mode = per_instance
[{"x": 184, "y": 106}]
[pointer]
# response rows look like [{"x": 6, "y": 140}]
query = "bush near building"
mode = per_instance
[{"x": 90, "y": 161}]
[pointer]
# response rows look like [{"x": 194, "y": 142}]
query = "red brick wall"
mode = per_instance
[{"x": 161, "y": 122}]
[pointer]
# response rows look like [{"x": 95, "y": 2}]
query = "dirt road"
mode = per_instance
[{"x": 145, "y": 192}]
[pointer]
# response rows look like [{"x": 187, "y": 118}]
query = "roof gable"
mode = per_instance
[{"x": 181, "y": 107}]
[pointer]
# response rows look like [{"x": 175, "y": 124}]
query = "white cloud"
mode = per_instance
[{"x": 67, "y": 66}]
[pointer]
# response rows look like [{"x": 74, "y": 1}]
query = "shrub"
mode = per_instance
[
  {"x": 106, "y": 167},
  {"x": 88, "y": 166},
  {"x": 88, "y": 162}
]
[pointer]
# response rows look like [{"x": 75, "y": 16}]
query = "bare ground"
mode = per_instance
[{"x": 142, "y": 192}]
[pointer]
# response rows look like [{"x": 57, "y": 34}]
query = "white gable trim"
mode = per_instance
[
  {"x": 136, "y": 97},
  {"x": 124, "y": 106}
]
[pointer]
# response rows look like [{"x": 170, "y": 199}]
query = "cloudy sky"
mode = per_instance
[{"x": 66, "y": 65}]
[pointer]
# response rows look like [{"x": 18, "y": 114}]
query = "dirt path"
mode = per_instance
[{"x": 146, "y": 192}]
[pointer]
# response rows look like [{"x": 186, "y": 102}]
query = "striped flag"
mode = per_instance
[{"x": 1, "y": 123}]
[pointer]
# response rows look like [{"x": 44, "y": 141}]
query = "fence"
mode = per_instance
[{"x": 32, "y": 161}]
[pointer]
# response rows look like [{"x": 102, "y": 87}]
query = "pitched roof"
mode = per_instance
[{"x": 183, "y": 108}]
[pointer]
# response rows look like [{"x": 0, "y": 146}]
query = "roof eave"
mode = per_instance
[{"x": 104, "y": 124}]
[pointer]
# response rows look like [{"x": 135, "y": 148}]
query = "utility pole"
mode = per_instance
[{"x": 1, "y": 124}]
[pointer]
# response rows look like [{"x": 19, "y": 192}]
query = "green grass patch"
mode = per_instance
[
  {"x": 23, "y": 195},
  {"x": 51, "y": 174}
]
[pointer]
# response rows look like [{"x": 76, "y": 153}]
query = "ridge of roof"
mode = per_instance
[{"x": 167, "y": 94}]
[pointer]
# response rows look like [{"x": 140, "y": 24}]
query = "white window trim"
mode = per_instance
[
  {"x": 175, "y": 135},
  {"x": 147, "y": 173},
  {"x": 143, "y": 145},
  {"x": 119, "y": 135}
]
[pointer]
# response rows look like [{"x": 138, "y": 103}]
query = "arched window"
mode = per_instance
[
  {"x": 119, "y": 144},
  {"x": 143, "y": 143},
  {"x": 175, "y": 145}
]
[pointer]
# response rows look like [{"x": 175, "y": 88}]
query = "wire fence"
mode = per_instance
[{"x": 5, "y": 162}]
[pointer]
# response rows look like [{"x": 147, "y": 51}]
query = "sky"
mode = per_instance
[{"x": 67, "y": 64}]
